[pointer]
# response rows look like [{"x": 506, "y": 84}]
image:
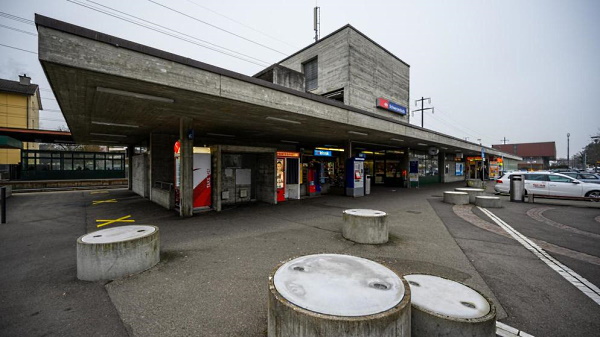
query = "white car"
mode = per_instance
[{"x": 548, "y": 183}]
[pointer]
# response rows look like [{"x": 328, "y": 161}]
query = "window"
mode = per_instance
[
  {"x": 311, "y": 74},
  {"x": 559, "y": 179},
  {"x": 536, "y": 177}
]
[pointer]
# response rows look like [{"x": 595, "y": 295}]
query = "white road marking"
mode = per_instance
[
  {"x": 504, "y": 330},
  {"x": 577, "y": 280}
]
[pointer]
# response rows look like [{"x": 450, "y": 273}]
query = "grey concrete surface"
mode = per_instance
[{"x": 213, "y": 276}]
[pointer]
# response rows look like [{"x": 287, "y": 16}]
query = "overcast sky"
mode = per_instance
[{"x": 525, "y": 70}]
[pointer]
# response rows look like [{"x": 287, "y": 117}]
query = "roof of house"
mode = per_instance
[
  {"x": 543, "y": 149},
  {"x": 16, "y": 87}
]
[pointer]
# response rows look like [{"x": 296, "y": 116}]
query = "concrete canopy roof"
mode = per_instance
[{"x": 117, "y": 92}]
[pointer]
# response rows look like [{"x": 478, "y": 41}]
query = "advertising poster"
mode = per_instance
[
  {"x": 459, "y": 169},
  {"x": 201, "y": 179}
]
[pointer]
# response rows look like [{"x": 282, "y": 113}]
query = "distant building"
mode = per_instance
[
  {"x": 20, "y": 105},
  {"x": 536, "y": 156}
]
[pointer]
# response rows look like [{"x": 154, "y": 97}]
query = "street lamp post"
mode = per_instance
[{"x": 568, "y": 157}]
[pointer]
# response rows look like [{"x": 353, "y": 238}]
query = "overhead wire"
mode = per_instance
[
  {"x": 463, "y": 129},
  {"x": 17, "y": 18},
  {"x": 241, "y": 23},
  {"x": 262, "y": 64},
  {"x": 18, "y": 30},
  {"x": 28, "y": 51},
  {"x": 216, "y": 27}
]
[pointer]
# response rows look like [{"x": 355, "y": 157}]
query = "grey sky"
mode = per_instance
[{"x": 524, "y": 70}]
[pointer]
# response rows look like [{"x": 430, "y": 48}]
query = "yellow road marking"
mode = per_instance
[
  {"x": 111, "y": 221},
  {"x": 96, "y": 202}
]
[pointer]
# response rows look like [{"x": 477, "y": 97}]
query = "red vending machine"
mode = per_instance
[
  {"x": 201, "y": 173},
  {"x": 280, "y": 167},
  {"x": 288, "y": 175}
]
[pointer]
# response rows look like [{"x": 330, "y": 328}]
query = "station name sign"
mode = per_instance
[
  {"x": 322, "y": 153},
  {"x": 391, "y": 106}
]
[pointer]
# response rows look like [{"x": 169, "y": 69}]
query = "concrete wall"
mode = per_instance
[
  {"x": 375, "y": 73},
  {"x": 283, "y": 76},
  {"x": 366, "y": 71},
  {"x": 333, "y": 62},
  {"x": 165, "y": 198},
  {"x": 266, "y": 180},
  {"x": 450, "y": 177},
  {"x": 140, "y": 183}
]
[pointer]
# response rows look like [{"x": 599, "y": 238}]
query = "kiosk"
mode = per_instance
[{"x": 288, "y": 175}]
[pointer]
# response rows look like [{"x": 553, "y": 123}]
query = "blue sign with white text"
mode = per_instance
[
  {"x": 322, "y": 153},
  {"x": 391, "y": 106}
]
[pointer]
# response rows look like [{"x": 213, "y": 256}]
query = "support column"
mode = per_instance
[
  {"x": 442, "y": 166},
  {"x": 186, "y": 137},
  {"x": 130, "y": 153}
]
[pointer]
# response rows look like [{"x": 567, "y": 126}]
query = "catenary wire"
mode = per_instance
[
  {"x": 241, "y": 23},
  {"x": 18, "y": 30},
  {"x": 163, "y": 32},
  {"x": 216, "y": 27},
  {"x": 178, "y": 32},
  {"x": 17, "y": 18},
  {"x": 28, "y": 51}
]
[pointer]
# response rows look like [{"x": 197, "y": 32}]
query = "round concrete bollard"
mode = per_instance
[
  {"x": 365, "y": 226},
  {"x": 488, "y": 202},
  {"x": 337, "y": 295},
  {"x": 442, "y": 307},
  {"x": 456, "y": 198},
  {"x": 112, "y": 253},
  {"x": 473, "y": 192}
]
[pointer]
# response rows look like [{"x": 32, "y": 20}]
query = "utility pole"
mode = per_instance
[
  {"x": 422, "y": 100},
  {"x": 568, "y": 157},
  {"x": 504, "y": 140}
]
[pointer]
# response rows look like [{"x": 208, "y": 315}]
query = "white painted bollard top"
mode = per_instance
[
  {"x": 339, "y": 285},
  {"x": 118, "y": 234},
  {"x": 445, "y": 297}
]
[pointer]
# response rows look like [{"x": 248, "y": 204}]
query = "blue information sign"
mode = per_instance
[{"x": 322, "y": 153}]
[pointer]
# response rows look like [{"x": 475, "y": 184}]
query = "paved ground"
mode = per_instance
[{"x": 212, "y": 280}]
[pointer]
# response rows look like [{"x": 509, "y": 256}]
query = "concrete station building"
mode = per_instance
[{"x": 319, "y": 121}]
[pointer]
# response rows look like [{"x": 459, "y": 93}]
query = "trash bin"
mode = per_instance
[
  {"x": 517, "y": 188},
  {"x": 367, "y": 184}
]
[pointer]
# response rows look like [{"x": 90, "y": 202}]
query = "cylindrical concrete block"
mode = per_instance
[
  {"x": 365, "y": 226},
  {"x": 337, "y": 295},
  {"x": 488, "y": 201},
  {"x": 441, "y": 307},
  {"x": 473, "y": 192},
  {"x": 116, "y": 252},
  {"x": 456, "y": 198}
]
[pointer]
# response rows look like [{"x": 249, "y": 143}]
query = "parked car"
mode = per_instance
[
  {"x": 549, "y": 183},
  {"x": 583, "y": 176}
]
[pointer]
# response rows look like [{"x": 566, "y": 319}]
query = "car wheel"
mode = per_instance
[{"x": 594, "y": 194}]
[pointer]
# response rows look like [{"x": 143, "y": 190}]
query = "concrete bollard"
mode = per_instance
[
  {"x": 365, "y": 226},
  {"x": 441, "y": 307},
  {"x": 473, "y": 192},
  {"x": 488, "y": 202},
  {"x": 116, "y": 252},
  {"x": 456, "y": 198},
  {"x": 337, "y": 295}
]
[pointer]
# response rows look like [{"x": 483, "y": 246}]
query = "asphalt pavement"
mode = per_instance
[{"x": 212, "y": 278}]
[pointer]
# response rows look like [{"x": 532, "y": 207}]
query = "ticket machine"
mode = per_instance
[{"x": 355, "y": 177}]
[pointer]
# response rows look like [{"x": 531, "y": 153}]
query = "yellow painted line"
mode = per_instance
[
  {"x": 97, "y": 202},
  {"x": 98, "y": 192},
  {"x": 111, "y": 221}
]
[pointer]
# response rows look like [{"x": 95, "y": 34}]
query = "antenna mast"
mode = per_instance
[{"x": 317, "y": 22}]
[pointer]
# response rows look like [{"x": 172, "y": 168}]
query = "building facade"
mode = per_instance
[
  {"x": 535, "y": 156},
  {"x": 20, "y": 106}
]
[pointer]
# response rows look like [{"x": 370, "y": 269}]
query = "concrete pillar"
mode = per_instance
[
  {"x": 130, "y": 153},
  {"x": 442, "y": 166},
  {"x": 186, "y": 137},
  {"x": 348, "y": 150}
]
